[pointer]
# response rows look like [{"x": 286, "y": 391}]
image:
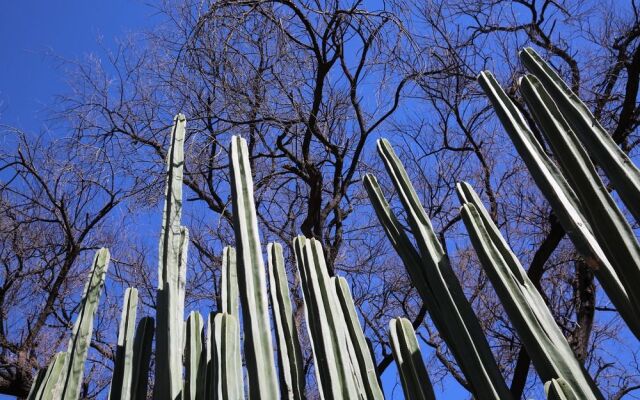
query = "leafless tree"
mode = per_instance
[{"x": 311, "y": 85}]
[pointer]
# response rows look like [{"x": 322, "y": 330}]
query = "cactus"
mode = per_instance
[
  {"x": 229, "y": 284},
  {"x": 141, "y": 358},
  {"x": 224, "y": 372},
  {"x": 550, "y": 352},
  {"x": 71, "y": 378},
  {"x": 43, "y": 386},
  {"x": 325, "y": 324},
  {"x": 406, "y": 351},
  {"x": 366, "y": 367},
  {"x": 557, "y": 389},
  {"x": 451, "y": 312},
  {"x": 565, "y": 203},
  {"x": 123, "y": 364},
  {"x": 292, "y": 379},
  {"x": 623, "y": 174},
  {"x": 174, "y": 240},
  {"x": 251, "y": 273},
  {"x": 603, "y": 215},
  {"x": 195, "y": 358}
]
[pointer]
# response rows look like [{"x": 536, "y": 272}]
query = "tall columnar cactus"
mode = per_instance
[
  {"x": 366, "y": 367},
  {"x": 174, "y": 240},
  {"x": 259, "y": 353},
  {"x": 45, "y": 384},
  {"x": 70, "y": 383},
  {"x": 229, "y": 284},
  {"x": 336, "y": 379},
  {"x": 571, "y": 210},
  {"x": 194, "y": 358},
  {"x": 131, "y": 366},
  {"x": 123, "y": 364},
  {"x": 623, "y": 174},
  {"x": 292, "y": 379},
  {"x": 406, "y": 351},
  {"x": 546, "y": 345},
  {"x": 439, "y": 288},
  {"x": 142, "y": 348},
  {"x": 605, "y": 218},
  {"x": 224, "y": 369}
]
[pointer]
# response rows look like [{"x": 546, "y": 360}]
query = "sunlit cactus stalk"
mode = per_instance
[
  {"x": 44, "y": 385},
  {"x": 225, "y": 374},
  {"x": 291, "y": 363},
  {"x": 335, "y": 376},
  {"x": 123, "y": 364},
  {"x": 440, "y": 289},
  {"x": 406, "y": 352},
  {"x": 606, "y": 220},
  {"x": 366, "y": 367},
  {"x": 174, "y": 240},
  {"x": 229, "y": 282},
  {"x": 565, "y": 203},
  {"x": 70, "y": 383},
  {"x": 558, "y": 389},
  {"x": 550, "y": 352},
  {"x": 259, "y": 354},
  {"x": 622, "y": 172},
  {"x": 194, "y": 358}
]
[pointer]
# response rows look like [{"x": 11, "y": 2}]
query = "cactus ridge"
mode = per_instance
[{"x": 550, "y": 352}]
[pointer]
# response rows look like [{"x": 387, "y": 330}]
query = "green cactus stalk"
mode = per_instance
[
  {"x": 142, "y": 347},
  {"x": 259, "y": 354},
  {"x": 123, "y": 364},
  {"x": 562, "y": 199},
  {"x": 45, "y": 387},
  {"x": 224, "y": 372},
  {"x": 416, "y": 384},
  {"x": 174, "y": 240},
  {"x": 37, "y": 383},
  {"x": 325, "y": 323},
  {"x": 71, "y": 378},
  {"x": 550, "y": 352},
  {"x": 366, "y": 367},
  {"x": 605, "y": 219},
  {"x": 557, "y": 389},
  {"x": 622, "y": 172},
  {"x": 433, "y": 276},
  {"x": 291, "y": 363},
  {"x": 195, "y": 358},
  {"x": 229, "y": 284}
]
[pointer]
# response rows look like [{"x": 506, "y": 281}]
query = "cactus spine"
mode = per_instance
[
  {"x": 406, "y": 351},
  {"x": 549, "y": 350},
  {"x": 450, "y": 310},
  {"x": 174, "y": 241},
  {"x": 292, "y": 379},
  {"x": 251, "y": 273}
]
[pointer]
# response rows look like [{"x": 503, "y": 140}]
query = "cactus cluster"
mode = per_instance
[{"x": 198, "y": 362}]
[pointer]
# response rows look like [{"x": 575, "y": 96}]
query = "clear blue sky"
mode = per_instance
[{"x": 70, "y": 29}]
